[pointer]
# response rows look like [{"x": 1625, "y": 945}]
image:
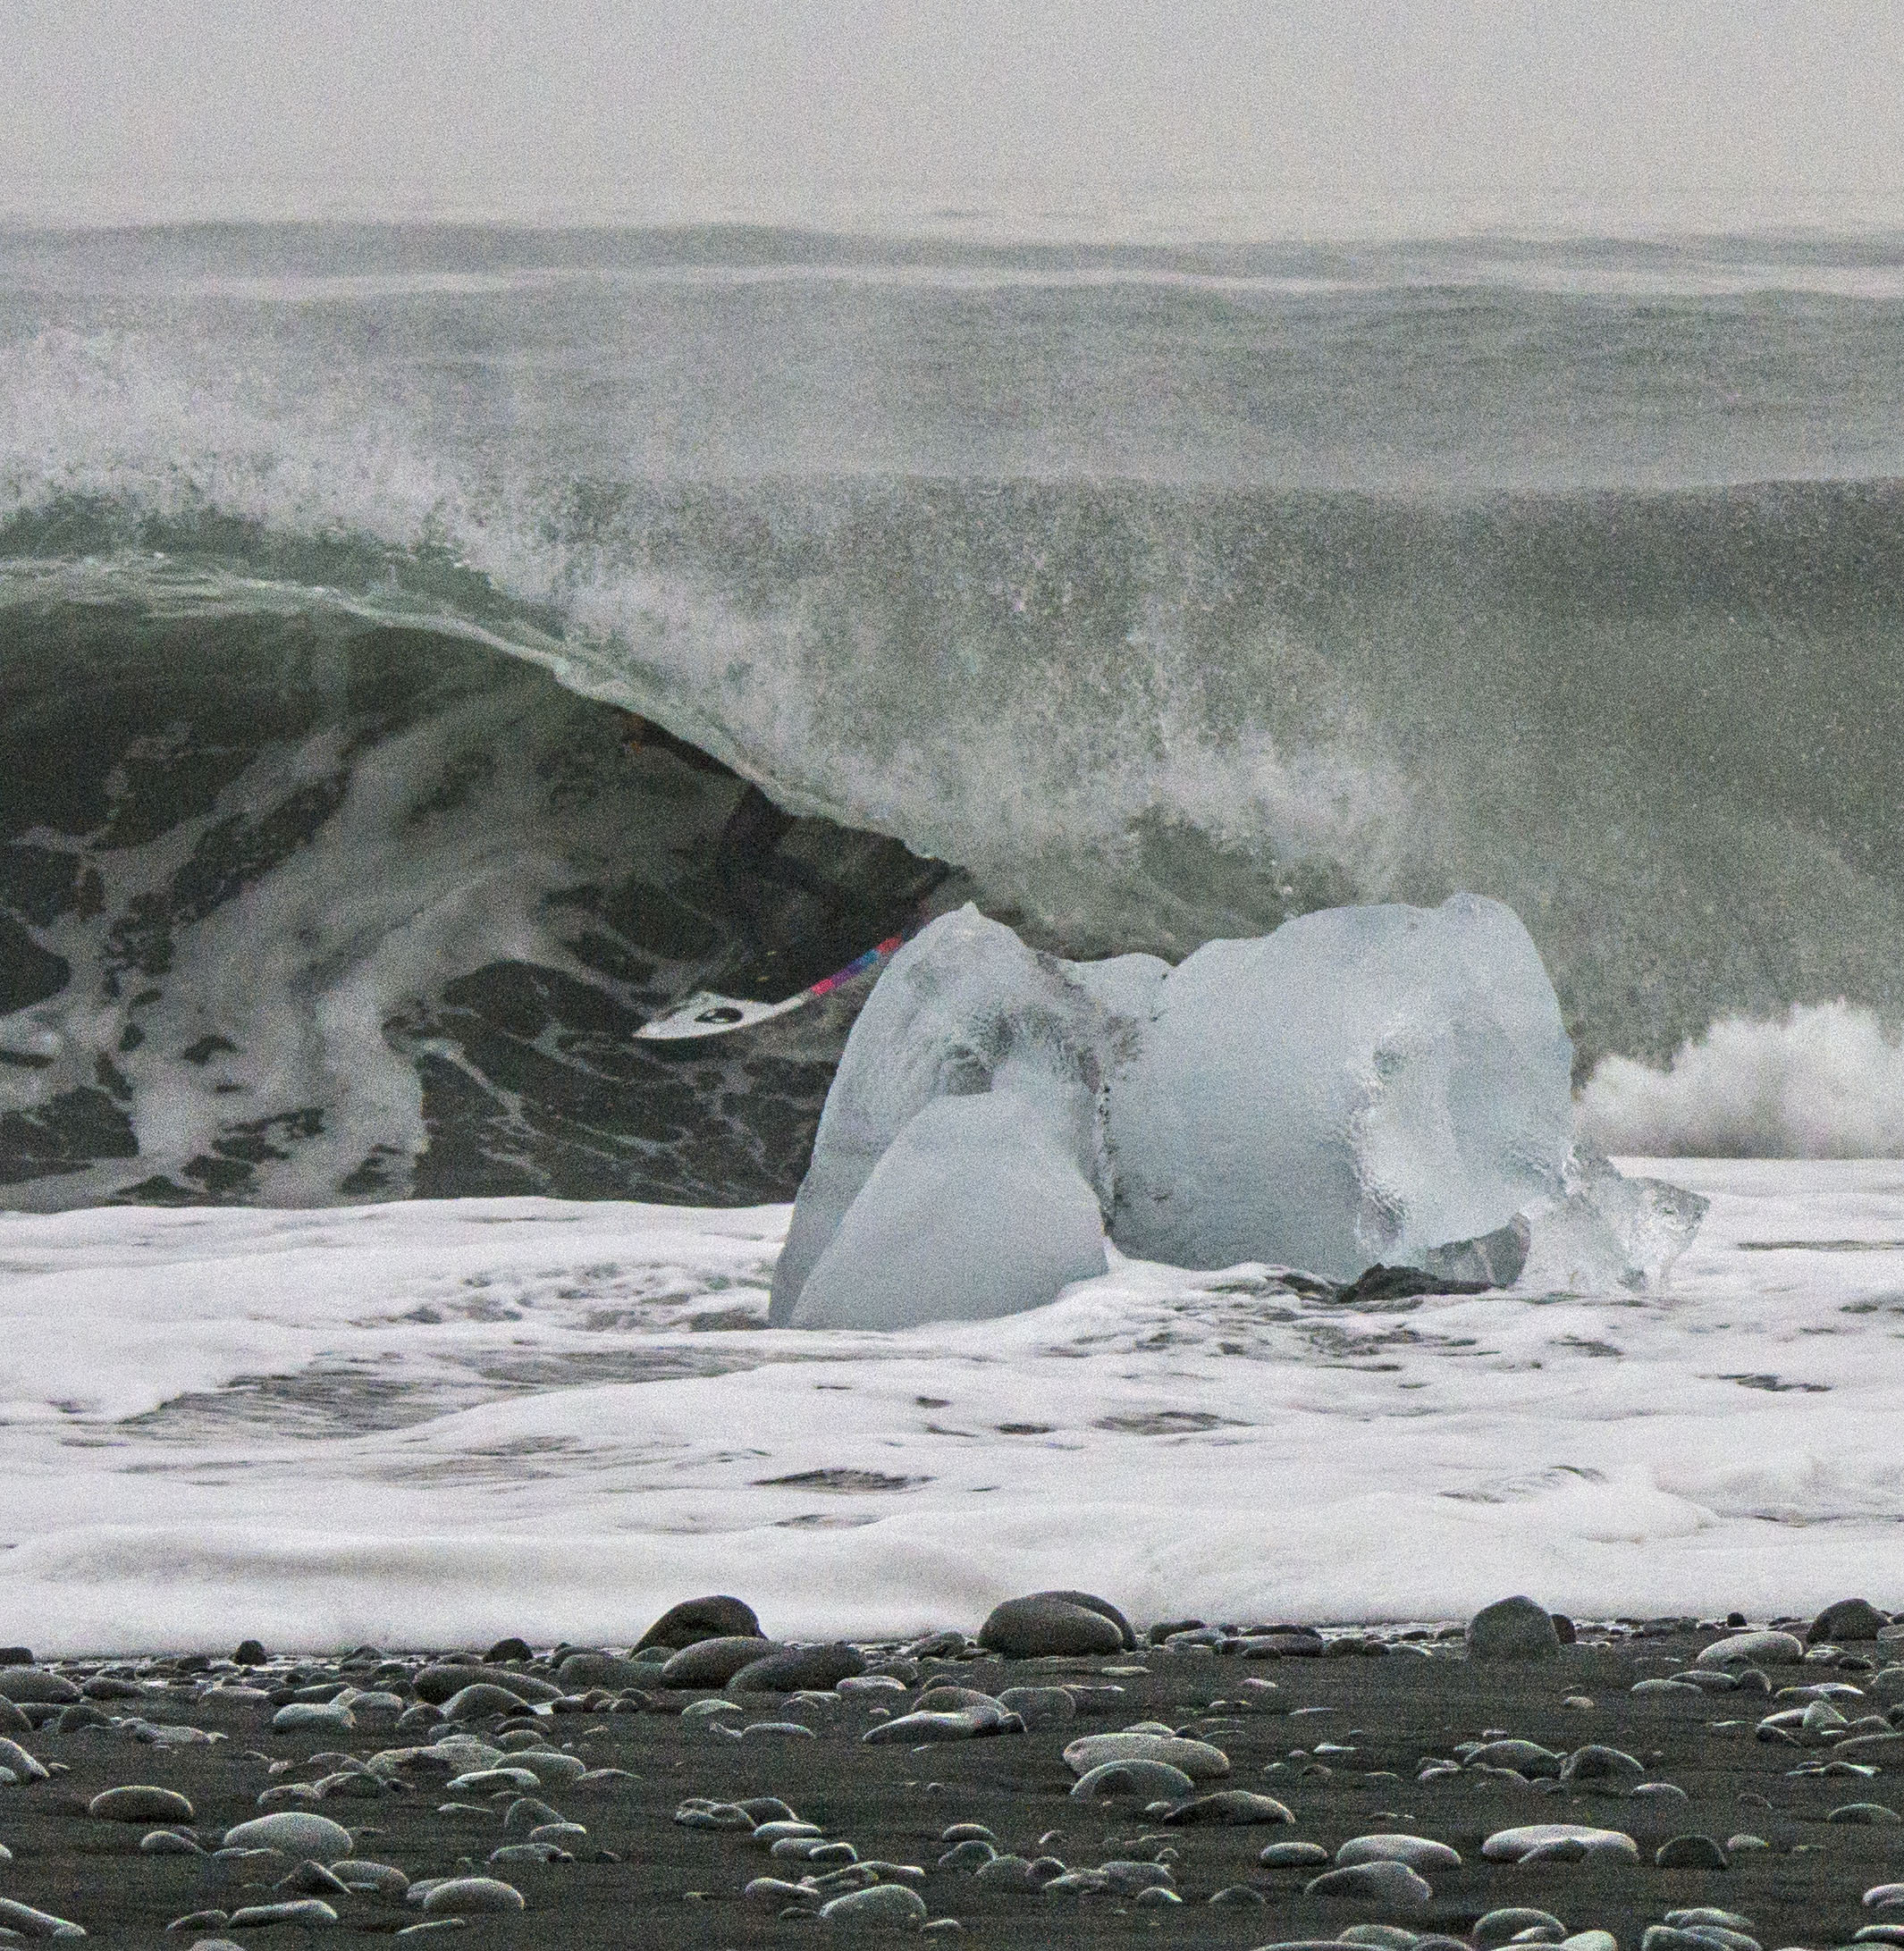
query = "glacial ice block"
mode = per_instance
[
  {"x": 976, "y": 1209},
  {"x": 1374, "y": 1083},
  {"x": 964, "y": 1010},
  {"x": 1364, "y": 1084}
]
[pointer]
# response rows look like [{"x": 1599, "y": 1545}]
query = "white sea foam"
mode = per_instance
[
  {"x": 1824, "y": 1081},
  {"x": 433, "y": 1423}
]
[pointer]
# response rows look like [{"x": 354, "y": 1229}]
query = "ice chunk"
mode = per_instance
[
  {"x": 965, "y": 1009},
  {"x": 1602, "y": 1230},
  {"x": 977, "y": 1208},
  {"x": 1365, "y": 1084}
]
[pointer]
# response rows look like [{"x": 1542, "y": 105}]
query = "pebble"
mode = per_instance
[
  {"x": 1153, "y": 1781},
  {"x": 1754, "y": 1650},
  {"x": 916, "y": 1730},
  {"x": 294, "y": 1831},
  {"x": 1049, "y": 1623},
  {"x": 1512, "y": 1630},
  {"x": 33, "y": 1923},
  {"x": 1514, "y": 1845},
  {"x": 552, "y": 1766},
  {"x": 1601, "y": 1770},
  {"x": 1527, "y": 1758},
  {"x": 1849, "y": 1620},
  {"x": 471, "y": 1897},
  {"x": 1392, "y": 1884},
  {"x": 139, "y": 1803},
  {"x": 718, "y": 1617},
  {"x": 713, "y": 1662},
  {"x": 1234, "y": 1807},
  {"x": 21, "y": 1764},
  {"x": 309, "y": 1913},
  {"x": 1502, "y": 1926},
  {"x": 581, "y": 1670},
  {"x": 1691, "y": 1852},
  {"x": 385, "y": 1879},
  {"x": 1292, "y": 1855},
  {"x": 1200, "y": 1760},
  {"x": 28, "y": 1685},
  {"x": 794, "y": 1668},
  {"x": 313, "y": 1879},
  {"x": 479, "y": 1700},
  {"x": 168, "y": 1843},
  {"x": 325, "y": 1714},
  {"x": 437, "y": 1685},
  {"x": 1039, "y": 1706},
  {"x": 1418, "y": 1852},
  {"x": 888, "y": 1903}
]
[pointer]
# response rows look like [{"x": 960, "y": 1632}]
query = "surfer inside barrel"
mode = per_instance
[{"x": 746, "y": 873}]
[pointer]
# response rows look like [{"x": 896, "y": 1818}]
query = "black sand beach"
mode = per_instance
[{"x": 1342, "y": 1737}]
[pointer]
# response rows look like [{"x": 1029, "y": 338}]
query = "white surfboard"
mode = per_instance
[{"x": 708, "y": 1013}]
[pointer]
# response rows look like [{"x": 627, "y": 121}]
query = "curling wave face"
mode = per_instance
[{"x": 918, "y": 542}]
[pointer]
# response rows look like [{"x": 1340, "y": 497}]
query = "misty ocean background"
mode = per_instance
[{"x": 1163, "y": 592}]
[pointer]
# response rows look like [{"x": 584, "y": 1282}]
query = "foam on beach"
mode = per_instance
[{"x": 435, "y": 1423}]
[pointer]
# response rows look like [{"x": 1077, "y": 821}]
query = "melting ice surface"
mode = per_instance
[{"x": 433, "y": 1423}]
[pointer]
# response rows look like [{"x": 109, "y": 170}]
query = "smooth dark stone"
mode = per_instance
[
  {"x": 799, "y": 1669},
  {"x": 1848, "y": 1619},
  {"x": 1046, "y": 1623},
  {"x": 1691, "y": 1852},
  {"x": 437, "y": 1684},
  {"x": 713, "y": 1662},
  {"x": 1515, "y": 1629},
  {"x": 718, "y": 1617}
]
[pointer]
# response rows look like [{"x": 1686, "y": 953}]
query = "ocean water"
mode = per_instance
[
  {"x": 1141, "y": 595},
  {"x": 435, "y": 1423}
]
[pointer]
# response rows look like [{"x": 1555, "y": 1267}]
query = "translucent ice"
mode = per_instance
[
  {"x": 977, "y": 1208},
  {"x": 1365, "y": 1084},
  {"x": 983, "y": 1210}
]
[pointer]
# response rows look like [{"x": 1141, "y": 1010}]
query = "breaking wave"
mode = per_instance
[{"x": 1139, "y": 712}]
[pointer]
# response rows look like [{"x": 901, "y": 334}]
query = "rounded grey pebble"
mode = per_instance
[
  {"x": 1151, "y": 1780},
  {"x": 1393, "y": 1884},
  {"x": 878, "y": 1904},
  {"x": 1515, "y": 1629},
  {"x": 307, "y": 1912},
  {"x": 1238, "y": 1897},
  {"x": 33, "y": 1923},
  {"x": 1050, "y": 1623},
  {"x": 168, "y": 1843},
  {"x": 1691, "y": 1852},
  {"x": 138, "y": 1803},
  {"x": 1499, "y": 1926},
  {"x": 1292, "y": 1855},
  {"x": 472, "y": 1897}
]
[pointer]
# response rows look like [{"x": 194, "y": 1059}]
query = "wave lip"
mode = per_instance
[{"x": 1825, "y": 1080}]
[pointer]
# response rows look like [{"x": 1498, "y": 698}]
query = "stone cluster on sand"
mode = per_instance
[{"x": 1641, "y": 1786}]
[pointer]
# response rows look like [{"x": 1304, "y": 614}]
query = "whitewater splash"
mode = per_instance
[
  {"x": 525, "y": 1417},
  {"x": 1825, "y": 1081}
]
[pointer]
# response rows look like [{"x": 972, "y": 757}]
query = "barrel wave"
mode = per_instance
[{"x": 336, "y": 863}]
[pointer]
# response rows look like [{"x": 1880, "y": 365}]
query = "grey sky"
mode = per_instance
[{"x": 1210, "y": 116}]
